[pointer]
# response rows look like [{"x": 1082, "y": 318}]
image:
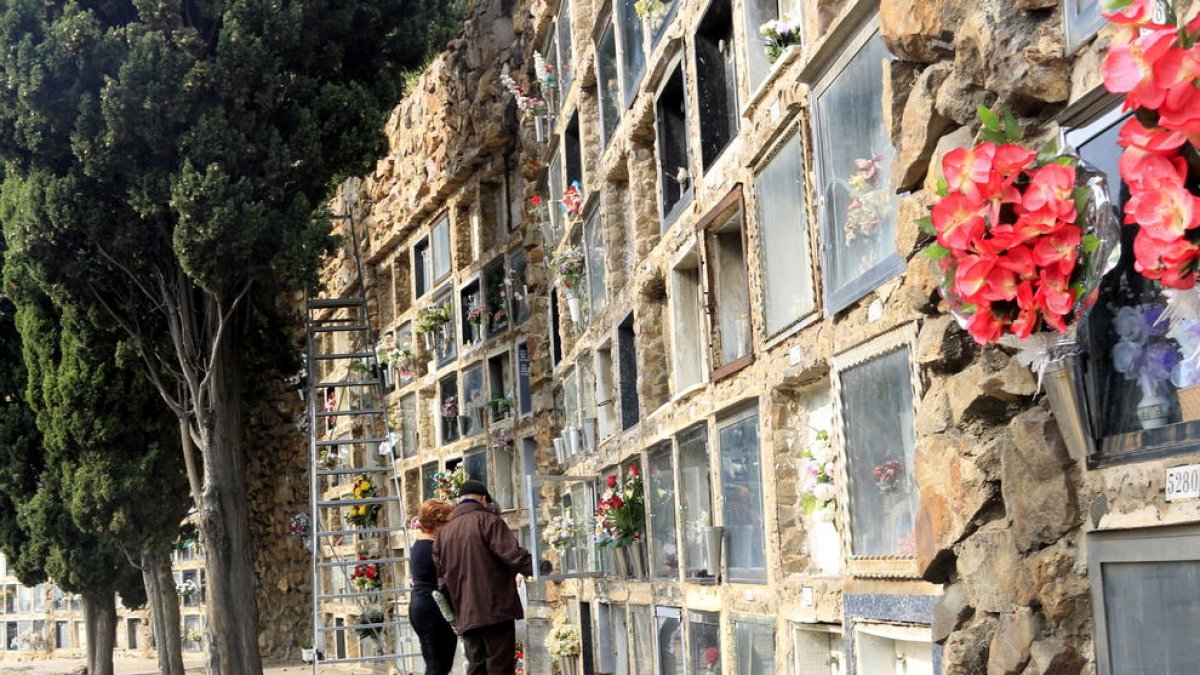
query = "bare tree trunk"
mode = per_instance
[
  {"x": 100, "y": 621},
  {"x": 164, "y": 612},
  {"x": 232, "y": 627}
]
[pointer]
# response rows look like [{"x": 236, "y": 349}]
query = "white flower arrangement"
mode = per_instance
[
  {"x": 780, "y": 34},
  {"x": 562, "y": 531},
  {"x": 186, "y": 588},
  {"x": 816, "y": 473},
  {"x": 563, "y": 640}
]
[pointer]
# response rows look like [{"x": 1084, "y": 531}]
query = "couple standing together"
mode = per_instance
[{"x": 470, "y": 555}]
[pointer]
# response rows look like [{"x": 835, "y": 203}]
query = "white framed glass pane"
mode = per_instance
[
  {"x": 695, "y": 496},
  {"x": 891, "y": 655},
  {"x": 441, "y": 249},
  {"x": 754, "y": 647},
  {"x": 641, "y": 628},
  {"x": 428, "y": 484},
  {"x": 473, "y": 401},
  {"x": 505, "y": 484},
  {"x": 854, "y": 156},
  {"x": 570, "y": 407},
  {"x": 880, "y": 440},
  {"x": 633, "y": 50},
  {"x": 475, "y": 464},
  {"x": 561, "y": 509},
  {"x": 730, "y": 285},
  {"x": 687, "y": 321},
  {"x": 758, "y": 12},
  {"x": 659, "y": 19},
  {"x": 664, "y": 551},
  {"x": 818, "y": 652},
  {"x": 669, "y": 636},
  {"x": 716, "y": 81},
  {"x": 741, "y": 488},
  {"x": 566, "y": 73},
  {"x": 554, "y": 177},
  {"x": 704, "y": 642},
  {"x": 408, "y": 432},
  {"x": 593, "y": 249},
  {"x": 587, "y": 390},
  {"x": 1082, "y": 20},
  {"x": 609, "y": 85},
  {"x": 783, "y": 238}
]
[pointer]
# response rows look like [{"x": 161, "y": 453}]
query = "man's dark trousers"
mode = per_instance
[{"x": 491, "y": 650}]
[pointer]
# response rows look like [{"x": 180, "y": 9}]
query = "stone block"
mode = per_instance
[
  {"x": 1038, "y": 493},
  {"x": 898, "y": 79},
  {"x": 1052, "y": 656},
  {"x": 1004, "y": 49},
  {"x": 943, "y": 346},
  {"x": 991, "y": 569},
  {"x": 959, "y": 98},
  {"x": 919, "y": 30},
  {"x": 933, "y": 412},
  {"x": 908, "y": 232},
  {"x": 951, "y": 611},
  {"x": 966, "y": 651},
  {"x": 921, "y": 128},
  {"x": 953, "y": 493},
  {"x": 1010, "y": 647},
  {"x": 992, "y": 388}
]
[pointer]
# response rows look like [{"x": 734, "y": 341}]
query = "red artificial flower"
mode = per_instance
[
  {"x": 634, "y": 471},
  {"x": 616, "y": 502},
  {"x": 1129, "y": 66},
  {"x": 1166, "y": 211},
  {"x": 536, "y": 200},
  {"x": 1136, "y": 13},
  {"x": 1055, "y": 298},
  {"x": 958, "y": 219},
  {"x": 1171, "y": 262},
  {"x": 1008, "y": 163},
  {"x": 1050, "y": 190},
  {"x": 612, "y": 481},
  {"x": 1153, "y": 140},
  {"x": 1060, "y": 249},
  {"x": 965, "y": 169}
]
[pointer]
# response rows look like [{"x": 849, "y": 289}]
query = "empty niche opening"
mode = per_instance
[
  {"x": 716, "y": 81},
  {"x": 674, "y": 168}
]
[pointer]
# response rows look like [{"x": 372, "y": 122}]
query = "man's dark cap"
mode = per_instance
[{"x": 474, "y": 487}]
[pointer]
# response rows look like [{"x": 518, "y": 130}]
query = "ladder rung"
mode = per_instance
[
  {"x": 356, "y": 561},
  {"x": 346, "y": 355},
  {"x": 365, "y": 530},
  {"x": 337, "y": 329},
  {"x": 348, "y": 472},
  {"x": 356, "y": 626},
  {"x": 364, "y": 594},
  {"x": 348, "y": 441},
  {"x": 347, "y": 383},
  {"x": 326, "y": 303},
  {"x": 357, "y": 502},
  {"x": 343, "y": 413},
  {"x": 366, "y": 659}
]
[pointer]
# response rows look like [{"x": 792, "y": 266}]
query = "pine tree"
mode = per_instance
[{"x": 173, "y": 161}]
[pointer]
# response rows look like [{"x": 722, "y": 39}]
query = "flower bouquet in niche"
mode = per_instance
[
  {"x": 1023, "y": 238},
  {"x": 562, "y": 531},
  {"x": 568, "y": 266},
  {"x": 816, "y": 474},
  {"x": 780, "y": 34},
  {"x": 1144, "y": 353},
  {"x": 889, "y": 476},
  {"x": 366, "y": 575},
  {"x": 186, "y": 588},
  {"x": 300, "y": 526},
  {"x": 447, "y": 485},
  {"x": 369, "y": 624},
  {"x": 563, "y": 641},
  {"x": 363, "y": 515},
  {"x": 621, "y": 511},
  {"x": 572, "y": 200}
]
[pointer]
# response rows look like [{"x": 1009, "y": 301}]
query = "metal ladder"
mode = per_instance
[{"x": 336, "y": 548}]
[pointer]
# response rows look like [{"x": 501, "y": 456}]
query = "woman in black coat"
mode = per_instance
[{"x": 439, "y": 643}]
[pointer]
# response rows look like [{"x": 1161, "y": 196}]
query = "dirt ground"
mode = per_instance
[{"x": 125, "y": 666}]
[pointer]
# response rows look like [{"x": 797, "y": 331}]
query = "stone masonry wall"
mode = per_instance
[{"x": 1000, "y": 547}]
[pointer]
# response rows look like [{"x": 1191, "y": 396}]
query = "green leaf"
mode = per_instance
[
  {"x": 1111, "y": 6},
  {"x": 1049, "y": 152},
  {"x": 989, "y": 119},
  {"x": 925, "y": 223},
  {"x": 1090, "y": 243},
  {"x": 936, "y": 252},
  {"x": 990, "y": 136},
  {"x": 967, "y": 309},
  {"x": 1065, "y": 161},
  {"x": 943, "y": 188},
  {"x": 1012, "y": 128},
  {"x": 1081, "y": 195}
]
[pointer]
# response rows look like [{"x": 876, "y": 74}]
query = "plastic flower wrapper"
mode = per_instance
[{"x": 1023, "y": 240}]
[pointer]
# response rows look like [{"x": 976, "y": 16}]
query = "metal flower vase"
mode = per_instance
[
  {"x": 560, "y": 450},
  {"x": 714, "y": 541},
  {"x": 574, "y": 441},
  {"x": 589, "y": 433},
  {"x": 635, "y": 560},
  {"x": 1066, "y": 391},
  {"x": 620, "y": 564},
  {"x": 568, "y": 665}
]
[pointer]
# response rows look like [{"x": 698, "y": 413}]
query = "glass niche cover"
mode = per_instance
[
  {"x": 561, "y": 510},
  {"x": 875, "y": 394}
]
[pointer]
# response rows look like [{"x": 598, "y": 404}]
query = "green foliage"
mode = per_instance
[{"x": 995, "y": 129}]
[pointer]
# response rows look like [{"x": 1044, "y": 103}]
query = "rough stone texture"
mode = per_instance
[
  {"x": 943, "y": 345},
  {"x": 991, "y": 569},
  {"x": 953, "y": 493},
  {"x": 919, "y": 30},
  {"x": 1038, "y": 492},
  {"x": 1008, "y": 51},
  {"x": 1009, "y": 651},
  {"x": 1052, "y": 656},
  {"x": 921, "y": 128},
  {"x": 966, "y": 651},
  {"x": 951, "y": 612},
  {"x": 992, "y": 388}
]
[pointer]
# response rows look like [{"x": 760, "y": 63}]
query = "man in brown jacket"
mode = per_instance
[{"x": 477, "y": 559}]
